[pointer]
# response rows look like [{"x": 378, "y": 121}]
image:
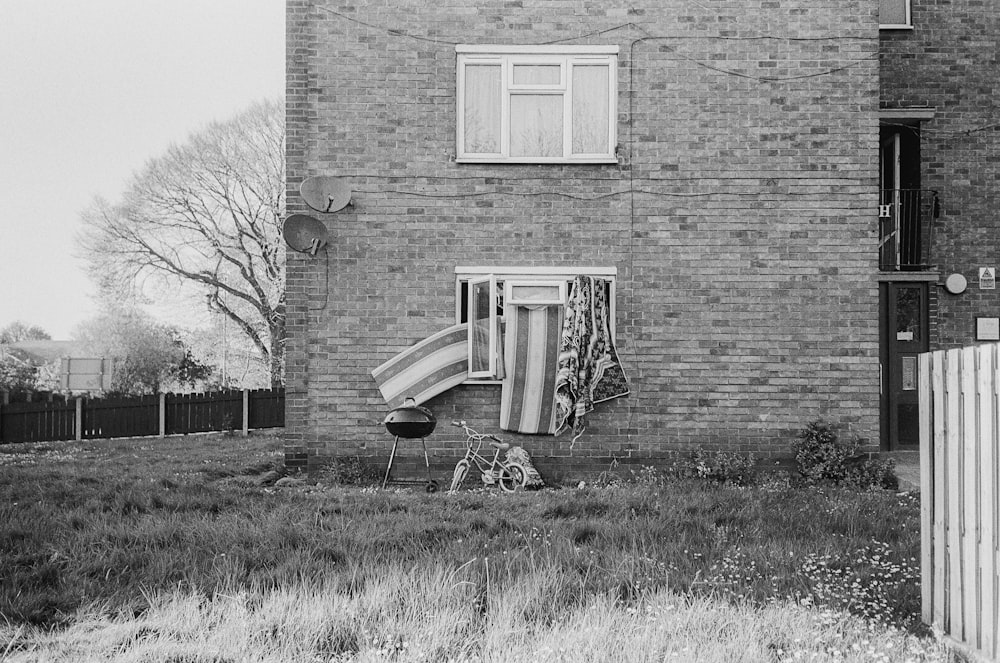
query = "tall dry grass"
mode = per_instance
[
  {"x": 171, "y": 551},
  {"x": 437, "y": 613}
]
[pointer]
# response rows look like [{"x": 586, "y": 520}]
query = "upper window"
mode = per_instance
[
  {"x": 537, "y": 104},
  {"x": 894, "y": 14}
]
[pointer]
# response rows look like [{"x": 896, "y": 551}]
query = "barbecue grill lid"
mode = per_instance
[{"x": 410, "y": 420}]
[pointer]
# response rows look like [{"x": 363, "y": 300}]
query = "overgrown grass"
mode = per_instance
[{"x": 172, "y": 550}]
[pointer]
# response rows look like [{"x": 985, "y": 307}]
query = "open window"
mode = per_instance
[
  {"x": 481, "y": 315},
  {"x": 485, "y": 295}
]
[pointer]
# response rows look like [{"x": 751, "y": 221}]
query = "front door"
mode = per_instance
[{"x": 904, "y": 335}]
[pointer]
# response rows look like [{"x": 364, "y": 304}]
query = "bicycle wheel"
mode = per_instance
[
  {"x": 512, "y": 477},
  {"x": 461, "y": 469}
]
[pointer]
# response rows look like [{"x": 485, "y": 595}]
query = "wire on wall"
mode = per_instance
[{"x": 649, "y": 37}]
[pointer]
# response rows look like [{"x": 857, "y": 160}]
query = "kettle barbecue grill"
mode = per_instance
[{"x": 410, "y": 421}]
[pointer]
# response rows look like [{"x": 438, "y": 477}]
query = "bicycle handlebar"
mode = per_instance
[{"x": 473, "y": 433}]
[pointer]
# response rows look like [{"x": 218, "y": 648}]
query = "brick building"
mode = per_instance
[
  {"x": 939, "y": 174},
  {"x": 714, "y": 165}
]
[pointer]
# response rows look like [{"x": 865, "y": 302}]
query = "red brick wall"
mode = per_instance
[
  {"x": 740, "y": 218},
  {"x": 949, "y": 61}
]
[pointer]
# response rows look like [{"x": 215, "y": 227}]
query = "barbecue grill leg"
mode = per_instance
[
  {"x": 388, "y": 468},
  {"x": 427, "y": 462}
]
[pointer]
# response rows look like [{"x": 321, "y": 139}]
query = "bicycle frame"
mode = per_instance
[
  {"x": 482, "y": 462},
  {"x": 508, "y": 476}
]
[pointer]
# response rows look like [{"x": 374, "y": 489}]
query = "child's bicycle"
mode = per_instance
[{"x": 509, "y": 476}]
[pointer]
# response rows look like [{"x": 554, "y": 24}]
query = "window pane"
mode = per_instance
[
  {"x": 531, "y": 74},
  {"x": 536, "y": 125},
  {"x": 908, "y": 307},
  {"x": 527, "y": 293},
  {"x": 590, "y": 110},
  {"x": 482, "y": 108},
  {"x": 892, "y": 12},
  {"x": 479, "y": 359}
]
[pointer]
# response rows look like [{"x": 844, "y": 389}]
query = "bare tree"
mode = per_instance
[
  {"x": 18, "y": 331},
  {"x": 205, "y": 216}
]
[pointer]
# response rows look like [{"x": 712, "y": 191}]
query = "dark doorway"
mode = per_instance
[{"x": 904, "y": 331}]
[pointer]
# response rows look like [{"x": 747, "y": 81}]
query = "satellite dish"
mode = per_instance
[
  {"x": 325, "y": 193},
  {"x": 305, "y": 233}
]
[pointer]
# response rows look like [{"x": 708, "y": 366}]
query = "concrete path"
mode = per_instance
[{"x": 907, "y": 468}]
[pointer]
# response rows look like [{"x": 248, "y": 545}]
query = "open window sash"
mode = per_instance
[{"x": 483, "y": 327}]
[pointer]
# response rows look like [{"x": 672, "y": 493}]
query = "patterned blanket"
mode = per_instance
[{"x": 589, "y": 369}]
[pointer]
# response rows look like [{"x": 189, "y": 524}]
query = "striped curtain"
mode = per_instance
[{"x": 531, "y": 353}]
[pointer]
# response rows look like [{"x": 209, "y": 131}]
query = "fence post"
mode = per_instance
[
  {"x": 163, "y": 414},
  {"x": 246, "y": 412},
  {"x": 79, "y": 419}
]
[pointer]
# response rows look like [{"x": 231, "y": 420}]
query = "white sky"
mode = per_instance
[{"x": 88, "y": 92}]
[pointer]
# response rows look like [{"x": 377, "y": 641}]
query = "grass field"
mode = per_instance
[{"x": 173, "y": 550}]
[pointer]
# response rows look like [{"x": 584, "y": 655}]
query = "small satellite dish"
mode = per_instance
[
  {"x": 305, "y": 233},
  {"x": 325, "y": 193}
]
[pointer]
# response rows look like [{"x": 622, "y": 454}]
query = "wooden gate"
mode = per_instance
[{"x": 959, "y": 433}]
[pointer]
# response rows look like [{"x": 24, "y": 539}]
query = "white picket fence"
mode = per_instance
[{"x": 959, "y": 459}]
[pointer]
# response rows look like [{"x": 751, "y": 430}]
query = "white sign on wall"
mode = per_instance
[
  {"x": 987, "y": 278},
  {"x": 988, "y": 329}
]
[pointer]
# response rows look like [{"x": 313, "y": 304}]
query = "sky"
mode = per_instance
[{"x": 89, "y": 91}]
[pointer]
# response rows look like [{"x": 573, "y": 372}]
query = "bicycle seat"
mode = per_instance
[{"x": 502, "y": 446}]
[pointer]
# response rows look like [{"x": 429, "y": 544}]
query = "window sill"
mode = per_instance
[
  {"x": 899, "y": 26},
  {"x": 929, "y": 277},
  {"x": 555, "y": 162}
]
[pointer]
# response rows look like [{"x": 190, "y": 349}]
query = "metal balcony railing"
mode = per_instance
[{"x": 906, "y": 224}]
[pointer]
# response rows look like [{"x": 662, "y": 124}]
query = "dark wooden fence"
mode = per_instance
[
  {"x": 164, "y": 414},
  {"x": 120, "y": 417},
  {"x": 34, "y": 422}
]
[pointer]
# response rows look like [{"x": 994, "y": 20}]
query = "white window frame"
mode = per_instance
[
  {"x": 520, "y": 276},
  {"x": 491, "y": 371},
  {"x": 908, "y": 25},
  {"x": 565, "y": 56}
]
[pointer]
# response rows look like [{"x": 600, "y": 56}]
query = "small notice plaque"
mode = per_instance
[
  {"x": 987, "y": 278},
  {"x": 909, "y": 381},
  {"x": 988, "y": 329}
]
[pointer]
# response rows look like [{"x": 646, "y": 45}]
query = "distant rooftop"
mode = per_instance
[{"x": 38, "y": 353}]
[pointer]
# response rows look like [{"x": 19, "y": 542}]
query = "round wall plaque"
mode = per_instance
[{"x": 955, "y": 284}]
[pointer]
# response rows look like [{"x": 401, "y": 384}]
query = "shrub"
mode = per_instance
[
  {"x": 820, "y": 455},
  {"x": 725, "y": 467},
  {"x": 873, "y": 473},
  {"x": 350, "y": 471}
]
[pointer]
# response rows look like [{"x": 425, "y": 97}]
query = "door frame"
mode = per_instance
[{"x": 892, "y": 347}]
